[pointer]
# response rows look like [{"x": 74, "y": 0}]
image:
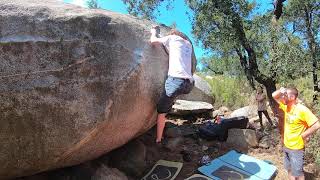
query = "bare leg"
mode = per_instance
[
  {"x": 300, "y": 177},
  {"x": 161, "y": 122},
  {"x": 260, "y": 119},
  {"x": 268, "y": 117},
  {"x": 290, "y": 175}
]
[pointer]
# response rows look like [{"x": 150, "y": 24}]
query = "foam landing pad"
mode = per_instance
[
  {"x": 164, "y": 170},
  {"x": 234, "y": 165},
  {"x": 198, "y": 177}
]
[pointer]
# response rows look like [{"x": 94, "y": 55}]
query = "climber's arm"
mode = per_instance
[{"x": 155, "y": 40}]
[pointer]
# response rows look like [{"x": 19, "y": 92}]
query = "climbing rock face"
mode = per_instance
[
  {"x": 200, "y": 92},
  {"x": 75, "y": 83}
]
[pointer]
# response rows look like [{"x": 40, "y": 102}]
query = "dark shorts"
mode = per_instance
[
  {"x": 293, "y": 160},
  {"x": 173, "y": 88}
]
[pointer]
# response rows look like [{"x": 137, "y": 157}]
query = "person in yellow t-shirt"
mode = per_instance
[{"x": 299, "y": 124}]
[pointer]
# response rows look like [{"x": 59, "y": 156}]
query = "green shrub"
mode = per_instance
[
  {"x": 313, "y": 150},
  {"x": 232, "y": 92}
]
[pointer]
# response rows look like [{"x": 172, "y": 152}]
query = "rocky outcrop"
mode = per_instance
[
  {"x": 222, "y": 111},
  {"x": 200, "y": 92},
  {"x": 184, "y": 107},
  {"x": 247, "y": 111},
  {"x": 75, "y": 83},
  {"x": 242, "y": 138},
  {"x": 130, "y": 158}
]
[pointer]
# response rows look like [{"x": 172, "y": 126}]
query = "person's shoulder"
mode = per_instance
[
  {"x": 302, "y": 107},
  {"x": 169, "y": 38},
  {"x": 173, "y": 37},
  {"x": 180, "y": 40},
  {"x": 188, "y": 43}
]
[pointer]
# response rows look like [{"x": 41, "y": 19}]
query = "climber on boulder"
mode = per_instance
[{"x": 179, "y": 80}]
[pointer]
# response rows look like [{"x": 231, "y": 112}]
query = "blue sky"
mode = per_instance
[{"x": 175, "y": 15}]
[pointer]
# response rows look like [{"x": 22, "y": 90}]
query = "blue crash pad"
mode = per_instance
[{"x": 234, "y": 165}]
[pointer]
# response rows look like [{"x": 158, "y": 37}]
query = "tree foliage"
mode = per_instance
[
  {"x": 268, "y": 51},
  {"x": 225, "y": 64},
  {"x": 215, "y": 20},
  {"x": 305, "y": 19},
  {"x": 296, "y": 14},
  {"x": 145, "y": 8},
  {"x": 93, "y": 4}
]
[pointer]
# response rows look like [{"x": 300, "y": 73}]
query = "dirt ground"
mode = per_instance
[
  {"x": 190, "y": 148},
  {"x": 276, "y": 158}
]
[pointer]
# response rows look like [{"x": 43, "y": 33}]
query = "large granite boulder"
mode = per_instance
[
  {"x": 92, "y": 170},
  {"x": 247, "y": 111},
  {"x": 75, "y": 83},
  {"x": 200, "y": 92}
]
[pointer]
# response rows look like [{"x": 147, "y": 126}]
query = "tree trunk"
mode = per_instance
[
  {"x": 244, "y": 65},
  {"x": 253, "y": 69},
  {"x": 312, "y": 50},
  {"x": 250, "y": 61},
  {"x": 279, "y": 114},
  {"x": 270, "y": 86},
  {"x": 278, "y": 5}
]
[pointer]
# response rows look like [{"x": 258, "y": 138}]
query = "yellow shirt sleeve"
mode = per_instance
[
  {"x": 309, "y": 117},
  {"x": 282, "y": 106}
]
